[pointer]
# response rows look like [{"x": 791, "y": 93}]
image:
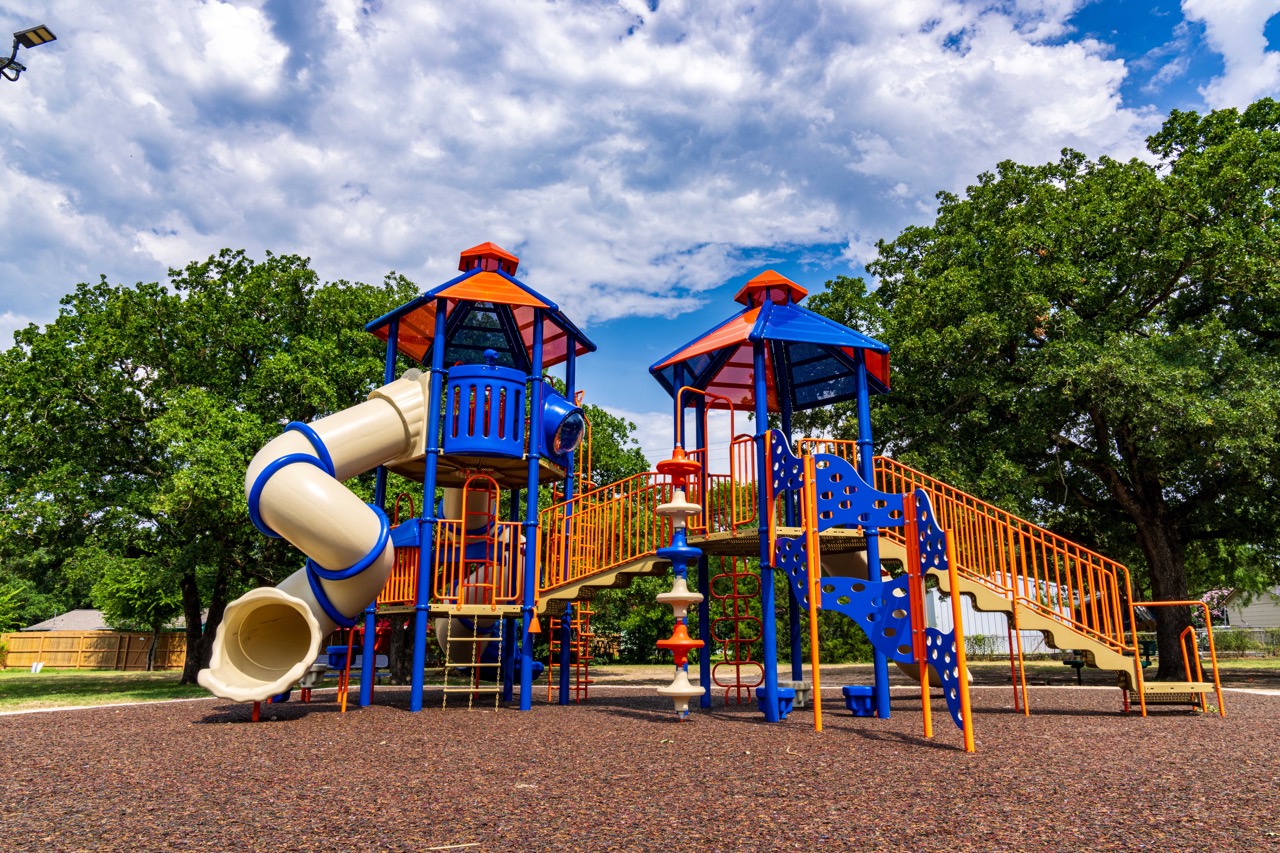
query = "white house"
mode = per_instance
[{"x": 1262, "y": 612}]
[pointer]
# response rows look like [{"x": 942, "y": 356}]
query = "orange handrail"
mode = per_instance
[
  {"x": 492, "y": 577},
  {"x": 602, "y": 529},
  {"x": 1208, "y": 629},
  {"x": 1037, "y": 568},
  {"x": 730, "y": 502},
  {"x": 1186, "y": 662}
]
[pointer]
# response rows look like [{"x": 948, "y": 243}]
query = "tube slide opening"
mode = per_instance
[{"x": 267, "y": 640}]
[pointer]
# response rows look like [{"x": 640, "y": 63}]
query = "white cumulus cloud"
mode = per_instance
[
  {"x": 1235, "y": 29},
  {"x": 634, "y": 154}
]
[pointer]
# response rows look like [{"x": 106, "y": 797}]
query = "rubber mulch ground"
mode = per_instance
[{"x": 618, "y": 773}]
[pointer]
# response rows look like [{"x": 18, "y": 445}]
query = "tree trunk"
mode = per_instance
[
  {"x": 151, "y": 652},
  {"x": 1162, "y": 544},
  {"x": 399, "y": 651},
  {"x": 191, "y": 612},
  {"x": 201, "y": 632}
]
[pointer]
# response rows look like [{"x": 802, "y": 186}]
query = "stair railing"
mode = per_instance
[
  {"x": 602, "y": 529},
  {"x": 1213, "y": 651},
  {"x": 1013, "y": 557},
  {"x": 1045, "y": 572}
]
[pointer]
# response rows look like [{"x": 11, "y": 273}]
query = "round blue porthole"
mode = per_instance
[{"x": 563, "y": 426}]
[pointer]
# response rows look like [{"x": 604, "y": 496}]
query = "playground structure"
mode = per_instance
[{"x": 851, "y": 532}]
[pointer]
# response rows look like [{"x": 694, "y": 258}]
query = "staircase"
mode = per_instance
[
  {"x": 601, "y": 539},
  {"x": 1076, "y": 599}
]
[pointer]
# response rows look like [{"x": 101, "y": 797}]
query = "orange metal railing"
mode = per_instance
[
  {"x": 402, "y": 584},
  {"x": 493, "y": 579},
  {"x": 1039, "y": 570},
  {"x": 1042, "y": 571},
  {"x": 1186, "y": 663},
  {"x": 731, "y": 498},
  {"x": 602, "y": 529}
]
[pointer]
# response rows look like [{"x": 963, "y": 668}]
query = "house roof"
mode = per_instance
[
  {"x": 73, "y": 620},
  {"x": 1238, "y": 596}
]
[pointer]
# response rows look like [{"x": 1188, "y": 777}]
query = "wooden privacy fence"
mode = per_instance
[{"x": 93, "y": 650}]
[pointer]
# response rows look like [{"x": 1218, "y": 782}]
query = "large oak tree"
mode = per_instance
[
  {"x": 126, "y": 426},
  {"x": 1096, "y": 344}
]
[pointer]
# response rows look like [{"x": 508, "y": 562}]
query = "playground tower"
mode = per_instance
[
  {"x": 775, "y": 358},
  {"x": 481, "y": 422}
]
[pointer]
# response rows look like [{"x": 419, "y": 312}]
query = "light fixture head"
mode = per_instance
[{"x": 34, "y": 36}]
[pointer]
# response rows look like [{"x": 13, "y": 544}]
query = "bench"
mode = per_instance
[{"x": 1078, "y": 663}]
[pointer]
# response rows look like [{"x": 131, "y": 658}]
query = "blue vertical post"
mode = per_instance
[
  {"x": 769, "y": 628},
  {"x": 793, "y": 603},
  {"x": 570, "y": 390},
  {"x": 867, "y": 469},
  {"x": 704, "y": 572},
  {"x": 566, "y": 625},
  {"x": 427, "y": 531},
  {"x": 379, "y": 498},
  {"x": 566, "y": 638},
  {"x": 531, "y": 518}
]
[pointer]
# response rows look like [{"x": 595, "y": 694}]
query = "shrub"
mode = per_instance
[
  {"x": 1235, "y": 642},
  {"x": 4, "y": 655},
  {"x": 1273, "y": 641},
  {"x": 979, "y": 646}
]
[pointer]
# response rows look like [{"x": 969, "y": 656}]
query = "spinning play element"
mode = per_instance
[{"x": 681, "y": 555}]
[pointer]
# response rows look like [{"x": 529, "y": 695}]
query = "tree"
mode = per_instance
[
  {"x": 615, "y": 454},
  {"x": 134, "y": 594},
  {"x": 1096, "y": 344},
  {"x": 126, "y": 425}
]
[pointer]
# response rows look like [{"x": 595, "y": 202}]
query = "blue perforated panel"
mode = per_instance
[
  {"x": 940, "y": 649},
  {"x": 933, "y": 540},
  {"x": 789, "y": 555},
  {"x": 880, "y": 609},
  {"x": 785, "y": 468},
  {"x": 846, "y": 500}
]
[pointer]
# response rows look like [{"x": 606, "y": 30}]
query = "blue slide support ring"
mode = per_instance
[{"x": 315, "y": 572}]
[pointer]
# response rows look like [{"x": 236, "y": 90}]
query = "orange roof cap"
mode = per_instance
[
  {"x": 770, "y": 285},
  {"x": 489, "y": 257}
]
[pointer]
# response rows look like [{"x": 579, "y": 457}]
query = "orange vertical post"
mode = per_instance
[
  {"x": 915, "y": 582},
  {"x": 809, "y": 496}
]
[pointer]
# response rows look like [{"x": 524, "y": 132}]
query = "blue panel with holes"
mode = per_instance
[
  {"x": 933, "y": 539},
  {"x": 880, "y": 609},
  {"x": 845, "y": 499},
  {"x": 940, "y": 650},
  {"x": 786, "y": 470},
  {"x": 789, "y": 556}
]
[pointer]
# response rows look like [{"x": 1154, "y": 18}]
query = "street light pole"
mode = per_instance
[{"x": 11, "y": 68}]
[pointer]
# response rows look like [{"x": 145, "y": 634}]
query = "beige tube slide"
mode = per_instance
[{"x": 270, "y": 636}]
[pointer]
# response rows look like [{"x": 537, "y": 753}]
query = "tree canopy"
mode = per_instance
[
  {"x": 126, "y": 426},
  {"x": 1096, "y": 344}
]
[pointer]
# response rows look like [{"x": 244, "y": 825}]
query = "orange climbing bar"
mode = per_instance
[
  {"x": 916, "y": 601},
  {"x": 813, "y": 560},
  {"x": 1213, "y": 651}
]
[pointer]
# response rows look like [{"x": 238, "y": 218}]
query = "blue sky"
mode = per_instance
[{"x": 643, "y": 157}]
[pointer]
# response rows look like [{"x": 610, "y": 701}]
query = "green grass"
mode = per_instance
[{"x": 21, "y": 690}]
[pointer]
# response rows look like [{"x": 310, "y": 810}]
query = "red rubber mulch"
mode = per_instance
[{"x": 618, "y": 773}]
